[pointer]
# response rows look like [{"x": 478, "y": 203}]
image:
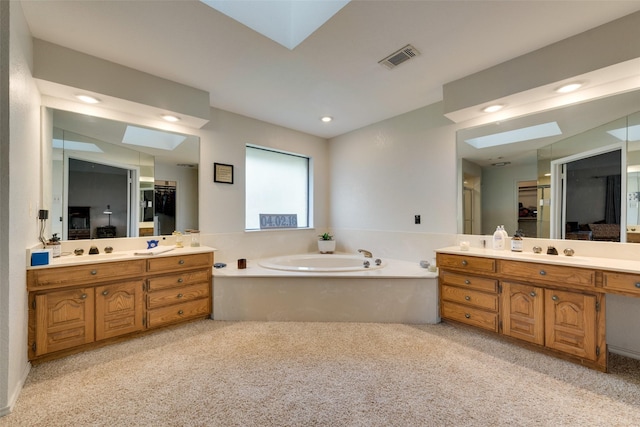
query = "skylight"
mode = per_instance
[
  {"x": 76, "y": 146},
  {"x": 629, "y": 134},
  {"x": 517, "y": 135},
  {"x": 152, "y": 138},
  {"x": 287, "y": 22}
]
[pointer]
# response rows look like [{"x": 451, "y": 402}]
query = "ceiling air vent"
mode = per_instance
[{"x": 399, "y": 56}]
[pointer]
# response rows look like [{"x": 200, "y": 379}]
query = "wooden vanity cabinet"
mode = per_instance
[
  {"x": 61, "y": 320},
  {"x": 621, "y": 283},
  {"x": 558, "y": 308},
  {"x": 470, "y": 299},
  {"x": 523, "y": 312},
  {"x": 177, "y": 297},
  {"x": 571, "y": 323},
  {"x": 72, "y": 308},
  {"x": 119, "y": 309}
]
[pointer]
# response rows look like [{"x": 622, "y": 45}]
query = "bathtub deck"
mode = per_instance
[{"x": 402, "y": 292}]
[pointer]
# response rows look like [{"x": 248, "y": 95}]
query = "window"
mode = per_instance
[{"x": 276, "y": 183}]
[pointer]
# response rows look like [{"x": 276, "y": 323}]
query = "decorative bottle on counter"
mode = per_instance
[{"x": 517, "y": 242}]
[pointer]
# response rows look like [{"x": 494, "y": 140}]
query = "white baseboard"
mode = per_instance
[
  {"x": 6, "y": 410},
  {"x": 624, "y": 352}
]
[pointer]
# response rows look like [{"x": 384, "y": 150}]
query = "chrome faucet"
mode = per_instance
[{"x": 366, "y": 253}]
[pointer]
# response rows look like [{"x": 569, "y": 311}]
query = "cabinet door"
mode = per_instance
[
  {"x": 119, "y": 309},
  {"x": 571, "y": 323},
  {"x": 523, "y": 312},
  {"x": 64, "y": 319}
]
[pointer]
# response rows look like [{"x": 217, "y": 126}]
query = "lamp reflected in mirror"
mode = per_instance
[{"x": 96, "y": 162}]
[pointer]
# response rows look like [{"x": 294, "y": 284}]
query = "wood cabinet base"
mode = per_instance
[
  {"x": 559, "y": 310},
  {"x": 600, "y": 365},
  {"x": 109, "y": 341},
  {"x": 75, "y": 308}
]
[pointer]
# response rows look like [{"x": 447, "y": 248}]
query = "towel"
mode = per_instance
[{"x": 155, "y": 251}]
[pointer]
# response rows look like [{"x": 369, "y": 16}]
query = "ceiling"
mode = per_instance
[{"x": 335, "y": 70}]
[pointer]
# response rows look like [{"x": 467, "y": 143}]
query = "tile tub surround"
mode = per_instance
[{"x": 401, "y": 292}]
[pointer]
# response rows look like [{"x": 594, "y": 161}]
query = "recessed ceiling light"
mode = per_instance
[
  {"x": 170, "y": 118},
  {"x": 326, "y": 119},
  {"x": 569, "y": 87},
  {"x": 493, "y": 108},
  {"x": 88, "y": 99}
]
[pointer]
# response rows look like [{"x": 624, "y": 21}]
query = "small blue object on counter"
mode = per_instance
[
  {"x": 219, "y": 265},
  {"x": 41, "y": 257}
]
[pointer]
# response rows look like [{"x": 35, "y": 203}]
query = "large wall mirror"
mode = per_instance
[
  {"x": 115, "y": 179},
  {"x": 567, "y": 173}
]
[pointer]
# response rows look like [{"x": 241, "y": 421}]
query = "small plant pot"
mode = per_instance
[{"x": 326, "y": 246}]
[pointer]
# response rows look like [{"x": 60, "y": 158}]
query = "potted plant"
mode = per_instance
[{"x": 326, "y": 244}]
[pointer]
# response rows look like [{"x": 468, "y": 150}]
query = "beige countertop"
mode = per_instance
[
  {"x": 600, "y": 263},
  {"x": 71, "y": 260}
]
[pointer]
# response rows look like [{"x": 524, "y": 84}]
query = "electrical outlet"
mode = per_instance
[{"x": 417, "y": 219}]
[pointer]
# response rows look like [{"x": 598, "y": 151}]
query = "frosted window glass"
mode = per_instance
[{"x": 276, "y": 183}]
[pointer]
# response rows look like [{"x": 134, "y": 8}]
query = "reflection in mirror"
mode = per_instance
[
  {"x": 500, "y": 176},
  {"x": 109, "y": 178}
]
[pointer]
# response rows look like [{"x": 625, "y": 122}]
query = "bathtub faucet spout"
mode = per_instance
[{"x": 366, "y": 253}]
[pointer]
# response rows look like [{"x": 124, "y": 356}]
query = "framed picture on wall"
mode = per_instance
[{"x": 223, "y": 173}]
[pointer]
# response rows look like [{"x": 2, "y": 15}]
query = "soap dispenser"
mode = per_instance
[{"x": 498, "y": 239}]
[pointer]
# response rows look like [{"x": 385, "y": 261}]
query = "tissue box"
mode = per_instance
[{"x": 41, "y": 257}]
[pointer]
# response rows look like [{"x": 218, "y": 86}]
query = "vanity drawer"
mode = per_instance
[
  {"x": 471, "y": 282},
  {"x": 57, "y": 277},
  {"x": 177, "y": 295},
  {"x": 558, "y": 275},
  {"x": 182, "y": 279},
  {"x": 178, "y": 312},
  {"x": 470, "y": 316},
  {"x": 469, "y": 297},
  {"x": 180, "y": 262},
  {"x": 470, "y": 263},
  {"x": 622, "y": 282}
]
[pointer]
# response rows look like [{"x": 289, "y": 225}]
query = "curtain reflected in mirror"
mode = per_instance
[{"x": 511, "y": 183}]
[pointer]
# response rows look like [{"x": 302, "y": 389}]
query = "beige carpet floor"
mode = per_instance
[{"x": 211, "y": 373}]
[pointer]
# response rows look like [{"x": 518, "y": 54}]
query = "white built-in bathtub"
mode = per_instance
[
  {"x": 322, "y": 263},
  {"x": 326, "y": 288}
]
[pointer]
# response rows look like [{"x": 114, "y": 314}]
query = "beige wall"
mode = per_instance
[{"x": 20, "y": 193}]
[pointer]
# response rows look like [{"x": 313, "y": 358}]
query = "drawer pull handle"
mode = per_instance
[
  {"x": 555, "y": 298},
  {"x": 180, "y": 280},
  {"x": 180, "y": 295},
  {"x": 180, "y": 312},
  {"x": 532, "y": 293},
  {"x": 105, "y": 293},
  {"x": 542, "y": 272},
  {"x": 638, "y": 285},
  {"x": 94, "y": 272},
  {"x": 467, "y": 315},
  {"x": 83, "y": 296},
  {"x": 464, "y": 262},
  {"x": 181, "y": 262},
  {"x": 467, "y": 297},
  {"x": 467, "y": 282}
]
